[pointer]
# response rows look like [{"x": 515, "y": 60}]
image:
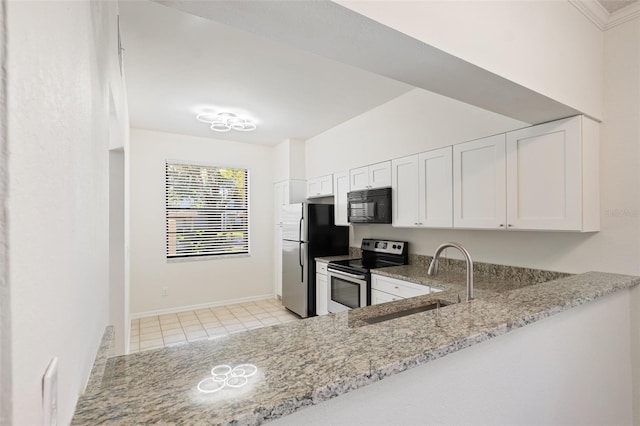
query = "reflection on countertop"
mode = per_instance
[{"x": 309, "y": 361}]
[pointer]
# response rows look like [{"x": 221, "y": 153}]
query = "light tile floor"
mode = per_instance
[{"x": 177, "y": 329}]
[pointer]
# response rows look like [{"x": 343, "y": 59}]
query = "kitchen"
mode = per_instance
[{"x": 613, "y": 249}]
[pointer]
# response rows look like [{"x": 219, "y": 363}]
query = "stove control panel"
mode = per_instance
[{"x": 384, "y": 246}]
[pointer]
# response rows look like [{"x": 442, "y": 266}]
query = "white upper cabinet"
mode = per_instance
[
  {"x": 286, "y": 192},
  {"x": 373, "y": 176},
  {"x": 479, "y": 196},
  {"x": 436, "y": 188},
  {"x": 422, "y": 189},
  {"x": 552, "y": 176},
  {"x": 320, "y": 187},
  {"x": 340, "y": 191},
  {"x": 544, "y": 177},
  {"x": 405, "y": 184}
]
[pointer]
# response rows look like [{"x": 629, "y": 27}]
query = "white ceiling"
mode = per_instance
[
  {"x": 177, "y": 64},
  {"x": 297, "y": 68}
]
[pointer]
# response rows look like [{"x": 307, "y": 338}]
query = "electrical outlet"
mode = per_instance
[
  {"x": 165, "y": 291},
  {"x": 50, "y": 394}
]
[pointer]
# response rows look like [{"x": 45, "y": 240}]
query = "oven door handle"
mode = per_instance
[{"x": 346, "y": 274}]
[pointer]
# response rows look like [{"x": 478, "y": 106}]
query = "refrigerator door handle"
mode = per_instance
[
  {"x": 300, "y": 257},
  {"x": 300, "y": 253},
  {"x": 300, "y": 229}
]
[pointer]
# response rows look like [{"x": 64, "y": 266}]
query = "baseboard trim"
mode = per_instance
[{"x": 201, "y": 306}]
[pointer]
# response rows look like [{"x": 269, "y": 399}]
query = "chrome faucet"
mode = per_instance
[{"x": 433, "y": 268}]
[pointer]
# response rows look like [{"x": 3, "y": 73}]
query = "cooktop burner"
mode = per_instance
[
  {"x": 364, "y": 264},
  {"x": 375, "y": 254}
]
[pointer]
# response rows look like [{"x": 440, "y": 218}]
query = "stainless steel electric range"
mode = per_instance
[{"x": 349, "y": 281}]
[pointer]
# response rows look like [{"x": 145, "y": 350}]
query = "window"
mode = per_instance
[{"x": 207, "y": 210}]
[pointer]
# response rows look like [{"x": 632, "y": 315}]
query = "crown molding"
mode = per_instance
[
  {"x": 604, "y": 20},
  {"x": 624, "y": 15},
  {"x": 594, "y": 11}
]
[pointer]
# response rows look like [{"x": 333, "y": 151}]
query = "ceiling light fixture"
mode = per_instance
[{"x": 226, "y": 121}]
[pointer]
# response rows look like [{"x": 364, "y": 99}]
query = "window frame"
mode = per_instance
[{"x": 207, "y": 256}]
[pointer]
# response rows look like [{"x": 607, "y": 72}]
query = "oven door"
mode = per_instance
[{"x": 346, "y": 291}]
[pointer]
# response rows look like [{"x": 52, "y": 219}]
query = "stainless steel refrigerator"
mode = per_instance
[{"x": 308, "y": 231}]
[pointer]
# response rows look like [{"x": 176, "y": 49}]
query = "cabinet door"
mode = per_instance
[
  {"x": 436, "y": 188},
  {"x": 544, "y": 176},
  {"x": 322, "y": 293},
  {"x": 380, "y": 175},
  {"x": 378, "y": 297},
  {"x": 404, "y": 182},
  {"x": 340, "y": 191},
  {"x": 281, "y": 192},
  {"x": 320, "y": 187},
  {"x": 296, "y": 191},
  {"x": 479, "y": 193},
  {"x": 287, "y": 192},
  {"x": 359, "y": 178},
  {"x": 313, "y": 188},
  {"x": 326, "y": 185},
  {"x": 398, "y": 288}
]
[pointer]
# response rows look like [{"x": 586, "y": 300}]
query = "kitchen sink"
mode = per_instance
[{"x": 386, "y": 317}]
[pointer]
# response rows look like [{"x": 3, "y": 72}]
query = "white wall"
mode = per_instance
[
  {"x": 5, "y": 317},
  {"x": 416, "y": 121},
  {"x": 546, "y": 46},
  {"x": 118, "y": 291},
  {"x": 62, "y": 64},
  {"x": 570, "y": 369},
  {"x": 621, "y": 158},
  {"x": 195, "y": 282},
  {"x": 419, "y": 121}
]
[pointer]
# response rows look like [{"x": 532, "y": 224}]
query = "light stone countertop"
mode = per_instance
[{"x": 306, "y": 362}]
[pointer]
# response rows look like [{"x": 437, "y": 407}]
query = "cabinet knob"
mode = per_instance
[
  {"x": 501, "y": 225},
  {"x": 509, "y": 225}
]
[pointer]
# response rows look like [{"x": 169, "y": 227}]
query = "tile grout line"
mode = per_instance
[{"x": 274, "y": 312}]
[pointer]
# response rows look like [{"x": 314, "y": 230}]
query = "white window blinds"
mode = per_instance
[{"x": 207, "y": 210}]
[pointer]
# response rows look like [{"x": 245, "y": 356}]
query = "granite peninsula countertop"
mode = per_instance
[{"x": 306, "y": 362}]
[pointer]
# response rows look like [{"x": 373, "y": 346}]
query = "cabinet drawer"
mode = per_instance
[
  {"x": 321, "y": 268},
  {"x": 378, "y": 297},
  {"x": 400, "y": 288}
]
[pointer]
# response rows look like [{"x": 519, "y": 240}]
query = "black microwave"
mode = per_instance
[{"x": 369, "y": 206}]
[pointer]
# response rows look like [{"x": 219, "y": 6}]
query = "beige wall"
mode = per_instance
[{"x": 195, "y": 282}]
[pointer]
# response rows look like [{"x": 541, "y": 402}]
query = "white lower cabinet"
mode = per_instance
[
  {"x": 378, "y": 297},
  {"x": 385, "y": 289},
  {"x": 322, "y": 289}
]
